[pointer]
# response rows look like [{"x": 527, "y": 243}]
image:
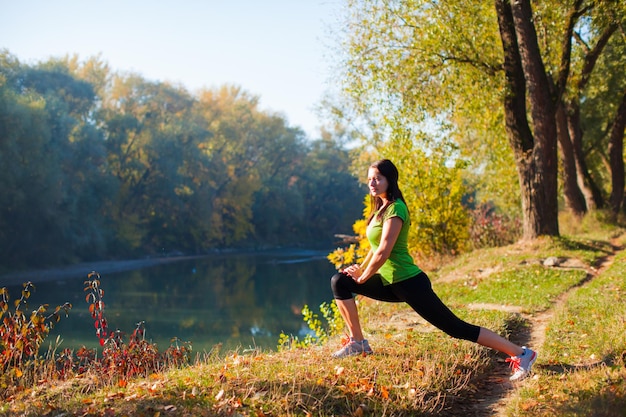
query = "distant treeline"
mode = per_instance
[{"x": 97, "y": 165}]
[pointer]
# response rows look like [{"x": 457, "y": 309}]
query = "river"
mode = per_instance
[{"x": 240, "y": 301}]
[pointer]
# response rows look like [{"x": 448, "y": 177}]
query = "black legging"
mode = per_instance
[{"x": 417, "y": 292}]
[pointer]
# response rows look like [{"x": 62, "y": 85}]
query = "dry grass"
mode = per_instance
[
  {"x": 583, "y": 369},
  {"x": 416, "y": 370}
]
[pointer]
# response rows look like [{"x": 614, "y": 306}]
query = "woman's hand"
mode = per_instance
[
  {"x": 355, "y": 272},
  {"x": 391, "y": 230}
]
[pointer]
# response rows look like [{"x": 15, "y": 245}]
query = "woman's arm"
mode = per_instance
[
  {"x": 367, "y": 259},
  {"x": 375, "y": 259}
]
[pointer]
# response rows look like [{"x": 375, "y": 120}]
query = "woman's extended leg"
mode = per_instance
[
  {"x": 494, "y": 341},
  {"x": 418, "y": 293}
]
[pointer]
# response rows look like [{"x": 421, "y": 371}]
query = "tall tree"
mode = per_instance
[
  {"x": 53, "y": 165},
  {"x": 473, "y": 70},
  {"x": 534, "y": 145}
]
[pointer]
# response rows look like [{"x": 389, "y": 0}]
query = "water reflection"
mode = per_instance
[{"x": 237, "y": 300}]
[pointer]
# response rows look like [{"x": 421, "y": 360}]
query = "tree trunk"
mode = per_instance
[
  {"x": 616, "y": 158},
  {"x": 574, "y": 198},
  {"x": 592, "y": 193},
  {"x": 535, "y": 155},
  {"x": 542, "y": 112}
]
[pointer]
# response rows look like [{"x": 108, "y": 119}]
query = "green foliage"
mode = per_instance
[
  {"x": 434, "y": 191},
  {"x": 321, "y": 331},
  {"x": 437, "y": 68},
  {"x": 98, "y": 164},
  {"x": 22, "y": 335}
]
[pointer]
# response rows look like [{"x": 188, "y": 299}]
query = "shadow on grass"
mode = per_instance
[
  {"x": 607, "y": 399},
  {"x": 307, "y": 399},
  {"x": 587, "y": 246},
  {"x": 563, "y": 368},
  {"x": 604, "y": 404}
]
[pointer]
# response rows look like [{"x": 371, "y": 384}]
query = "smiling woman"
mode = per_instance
[{"x": 388, "y": 273}]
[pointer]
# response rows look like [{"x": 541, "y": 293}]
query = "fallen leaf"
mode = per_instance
[
  {"x": 360, "y": 410},
  {"x": 219, "y": 395}
]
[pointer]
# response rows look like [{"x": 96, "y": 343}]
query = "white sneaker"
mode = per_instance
[
  {"x": 352, "y": 347},
  {"x": 521, "y": 365}
]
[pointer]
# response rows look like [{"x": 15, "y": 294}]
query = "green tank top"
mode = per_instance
[{"x": 400, "y": 264}]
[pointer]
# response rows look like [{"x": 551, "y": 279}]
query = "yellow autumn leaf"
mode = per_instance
[{"x": 384, "y": 392}]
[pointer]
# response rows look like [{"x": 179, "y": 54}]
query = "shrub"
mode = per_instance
[
  {"x": 492, "y": 229},
  {"x": 320, "y": 332},
  {"x": 123, "y": 360},
  {"x": 22, "y": 335}
]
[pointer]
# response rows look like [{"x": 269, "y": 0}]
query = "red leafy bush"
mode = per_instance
[
  {"x": 21, "y": 334},
  {"x": 21, "y": 337},
  {"x": 492, "y": 229},
  {"x": 123, "y": 360}
]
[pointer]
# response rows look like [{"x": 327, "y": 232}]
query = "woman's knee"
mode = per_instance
[{"x": 337, "y": 284}]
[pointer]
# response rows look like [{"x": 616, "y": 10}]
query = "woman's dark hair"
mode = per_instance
[{"x": 388, "y": 170}]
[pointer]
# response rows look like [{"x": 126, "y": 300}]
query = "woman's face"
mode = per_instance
[{"x": 377, "y": 183}]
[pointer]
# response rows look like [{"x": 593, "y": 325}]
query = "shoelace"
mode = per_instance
[
  {"x": 514, "y": 362},
  {"x": 345, "y": 340}
]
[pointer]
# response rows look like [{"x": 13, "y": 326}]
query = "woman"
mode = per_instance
[{"x": 389, "y": 273}]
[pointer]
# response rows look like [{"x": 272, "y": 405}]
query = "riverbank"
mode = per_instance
[
  {"x": 570, "y": 312},
  {"x": 81, "y": 270}
]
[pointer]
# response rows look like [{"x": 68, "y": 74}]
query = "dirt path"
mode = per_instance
[{"x": 496, "y": 389}]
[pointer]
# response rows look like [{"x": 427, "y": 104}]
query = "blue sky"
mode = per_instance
[{"x": 279, "y": 50}]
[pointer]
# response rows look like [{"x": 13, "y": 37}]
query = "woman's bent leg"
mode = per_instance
[
  {"x": 350, "y": 315},
  {"x": 344, "y": 288}
]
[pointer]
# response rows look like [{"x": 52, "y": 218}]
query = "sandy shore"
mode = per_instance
[
  {"x": 106, "y": 267},
  {"x": 83, "y": 269}
]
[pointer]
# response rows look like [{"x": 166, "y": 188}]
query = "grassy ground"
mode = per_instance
[{"x": 573, "y": 313}]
